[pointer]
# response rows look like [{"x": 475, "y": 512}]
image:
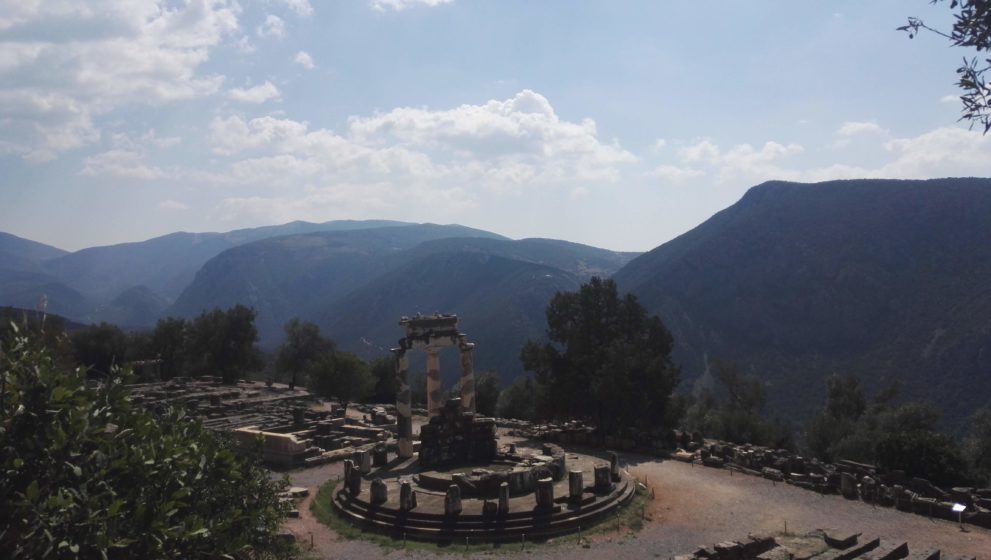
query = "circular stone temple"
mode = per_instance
[{"x": 462, "y": 484}]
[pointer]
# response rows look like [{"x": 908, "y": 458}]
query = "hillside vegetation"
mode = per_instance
[{"x": 886, "y": 280}]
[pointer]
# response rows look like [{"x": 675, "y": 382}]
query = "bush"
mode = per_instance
[{"x": 84, "y": 473}]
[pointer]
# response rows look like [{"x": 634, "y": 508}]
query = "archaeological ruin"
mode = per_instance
[{"x": 457, "y": 482}]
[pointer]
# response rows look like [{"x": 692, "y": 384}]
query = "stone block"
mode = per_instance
[{"x": 379, "y": 492}]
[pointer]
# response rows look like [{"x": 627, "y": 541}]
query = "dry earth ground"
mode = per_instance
[{"x": 694, "y": 506}]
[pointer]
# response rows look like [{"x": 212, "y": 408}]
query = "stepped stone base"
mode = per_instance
[{"x": 481, "y": 518}]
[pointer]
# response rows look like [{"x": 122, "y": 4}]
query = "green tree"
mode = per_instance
[
  {"x": 222, "y": 342},
  {"x": 971, "y": 30},
  {"x": 845, "y": 404},
  {"x": 923, "y": 453},
  {"x": 168, "y": 343},
  {"x": 386, "y": 384},
  {"x": 518, "y": 400},
  {"x": 977, "y": 444},
  {"x": 86, "y": 474},
  {"x": 340, "y": 375},
  {"x": 607, "y": 360},
  {"x": 303, "y": 345},
  {"x": 48, "y": 330},
  {"x": 486, "y": 394},
  {"x": 736, "y": 412},
  {"x": 99, "y": 347}
]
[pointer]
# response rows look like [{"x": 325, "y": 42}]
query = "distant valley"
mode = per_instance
[{"x": 887, "y": 280}]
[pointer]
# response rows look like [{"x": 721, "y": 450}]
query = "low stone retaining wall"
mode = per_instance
[{"x": 855, "y": 481}]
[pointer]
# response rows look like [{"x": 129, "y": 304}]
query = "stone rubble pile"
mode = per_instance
[{"x": 293, "y": 433}]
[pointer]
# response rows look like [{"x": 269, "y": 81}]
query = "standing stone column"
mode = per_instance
[
  {"x": 434, "y": 395},
  {"x": 354, "y": 482},
  {"x": 363, "y": 461},
  {"x": 575, "y": 486},
  {"x": 603, "y": 483},
  {"x": 503, "y": 498},
  {"x": 452, "y": 500},
  {"x": 614, "y": 466},
  {"x": 407, "y": 497},
  {"x": 467, "y": 382},
  {"x": 380, "y": 456},
  {"x": 348, "y": 467},
  {"x": 404, "y": 410},
  {"x": 545, "y": 493}
]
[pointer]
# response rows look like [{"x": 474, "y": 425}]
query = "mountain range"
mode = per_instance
[{"x": 886, "y": 280}]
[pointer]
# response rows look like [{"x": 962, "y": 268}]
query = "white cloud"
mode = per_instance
[
  {"x": 304, "y": 59},
  {"x": 302, "y": 8},
  {"x": 659, "y": 144},
  {"x": 151, "y": 137},
  {"x": 62, "y": 65},
  {"x": 243, "y": 45},
  {"x": 118, "y": 162},
  {"x": 448, "y": 157},
  {"x": 521, "y": 138},
  {"x": 675, "y": 174},
  {"x": 580, "y": 192},
  {"x": 939, "y": 153},
  {"x": 702, "y": 151},
  {"x": 741, "y": 162},
  {"x": 943, "y": 152},
  {"x": 950, "y": 99},
  {"x": 854, "y": 128},
  {"x": 257, "y": 94},
  {"x": 273, "y": 26},
  {"x": 170, "y": 204},
  {"x": 399, "y": 5}
]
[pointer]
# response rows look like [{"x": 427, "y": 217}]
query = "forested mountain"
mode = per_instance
[
  {"x": 167, "y": 264},
  {"x": 295, "y": 275},
  {"x": 500, "y": 301},
  {"x": 129, "y": 281},
  {"x": 356, "y": 284},
  {"x": 887, "y": 280}
]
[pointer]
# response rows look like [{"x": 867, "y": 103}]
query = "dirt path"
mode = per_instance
[{"x": 694, "y": 506}]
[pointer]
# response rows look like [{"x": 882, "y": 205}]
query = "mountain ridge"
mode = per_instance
[{"x": 797, "y": 281}]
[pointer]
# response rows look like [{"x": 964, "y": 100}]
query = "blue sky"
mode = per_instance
[{"x": 617, "y": 124}]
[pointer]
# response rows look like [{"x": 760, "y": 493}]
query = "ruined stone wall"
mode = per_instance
[{"x": 455, "y": 436}]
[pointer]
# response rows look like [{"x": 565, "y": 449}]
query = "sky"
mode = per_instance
[{"x": 619, "y": 124}]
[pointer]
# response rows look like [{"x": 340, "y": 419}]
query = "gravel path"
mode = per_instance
[{"x": 694, "y": 506}]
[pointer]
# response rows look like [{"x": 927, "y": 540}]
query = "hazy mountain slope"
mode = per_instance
[
  {"x": 136, "y": 306},
  {"x": 293, "y": 275},
  {"x": 26, "y": 289},
  {"x": 500, "y": 302},
  {"x": 889, "y": 280},
  {"x": 17, "y": 253},
  {"x": 167, "y": 264},
  {"x": 583, "y": 261}
]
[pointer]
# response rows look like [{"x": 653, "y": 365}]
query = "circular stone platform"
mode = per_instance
[{"x": 480, "y": 519}]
